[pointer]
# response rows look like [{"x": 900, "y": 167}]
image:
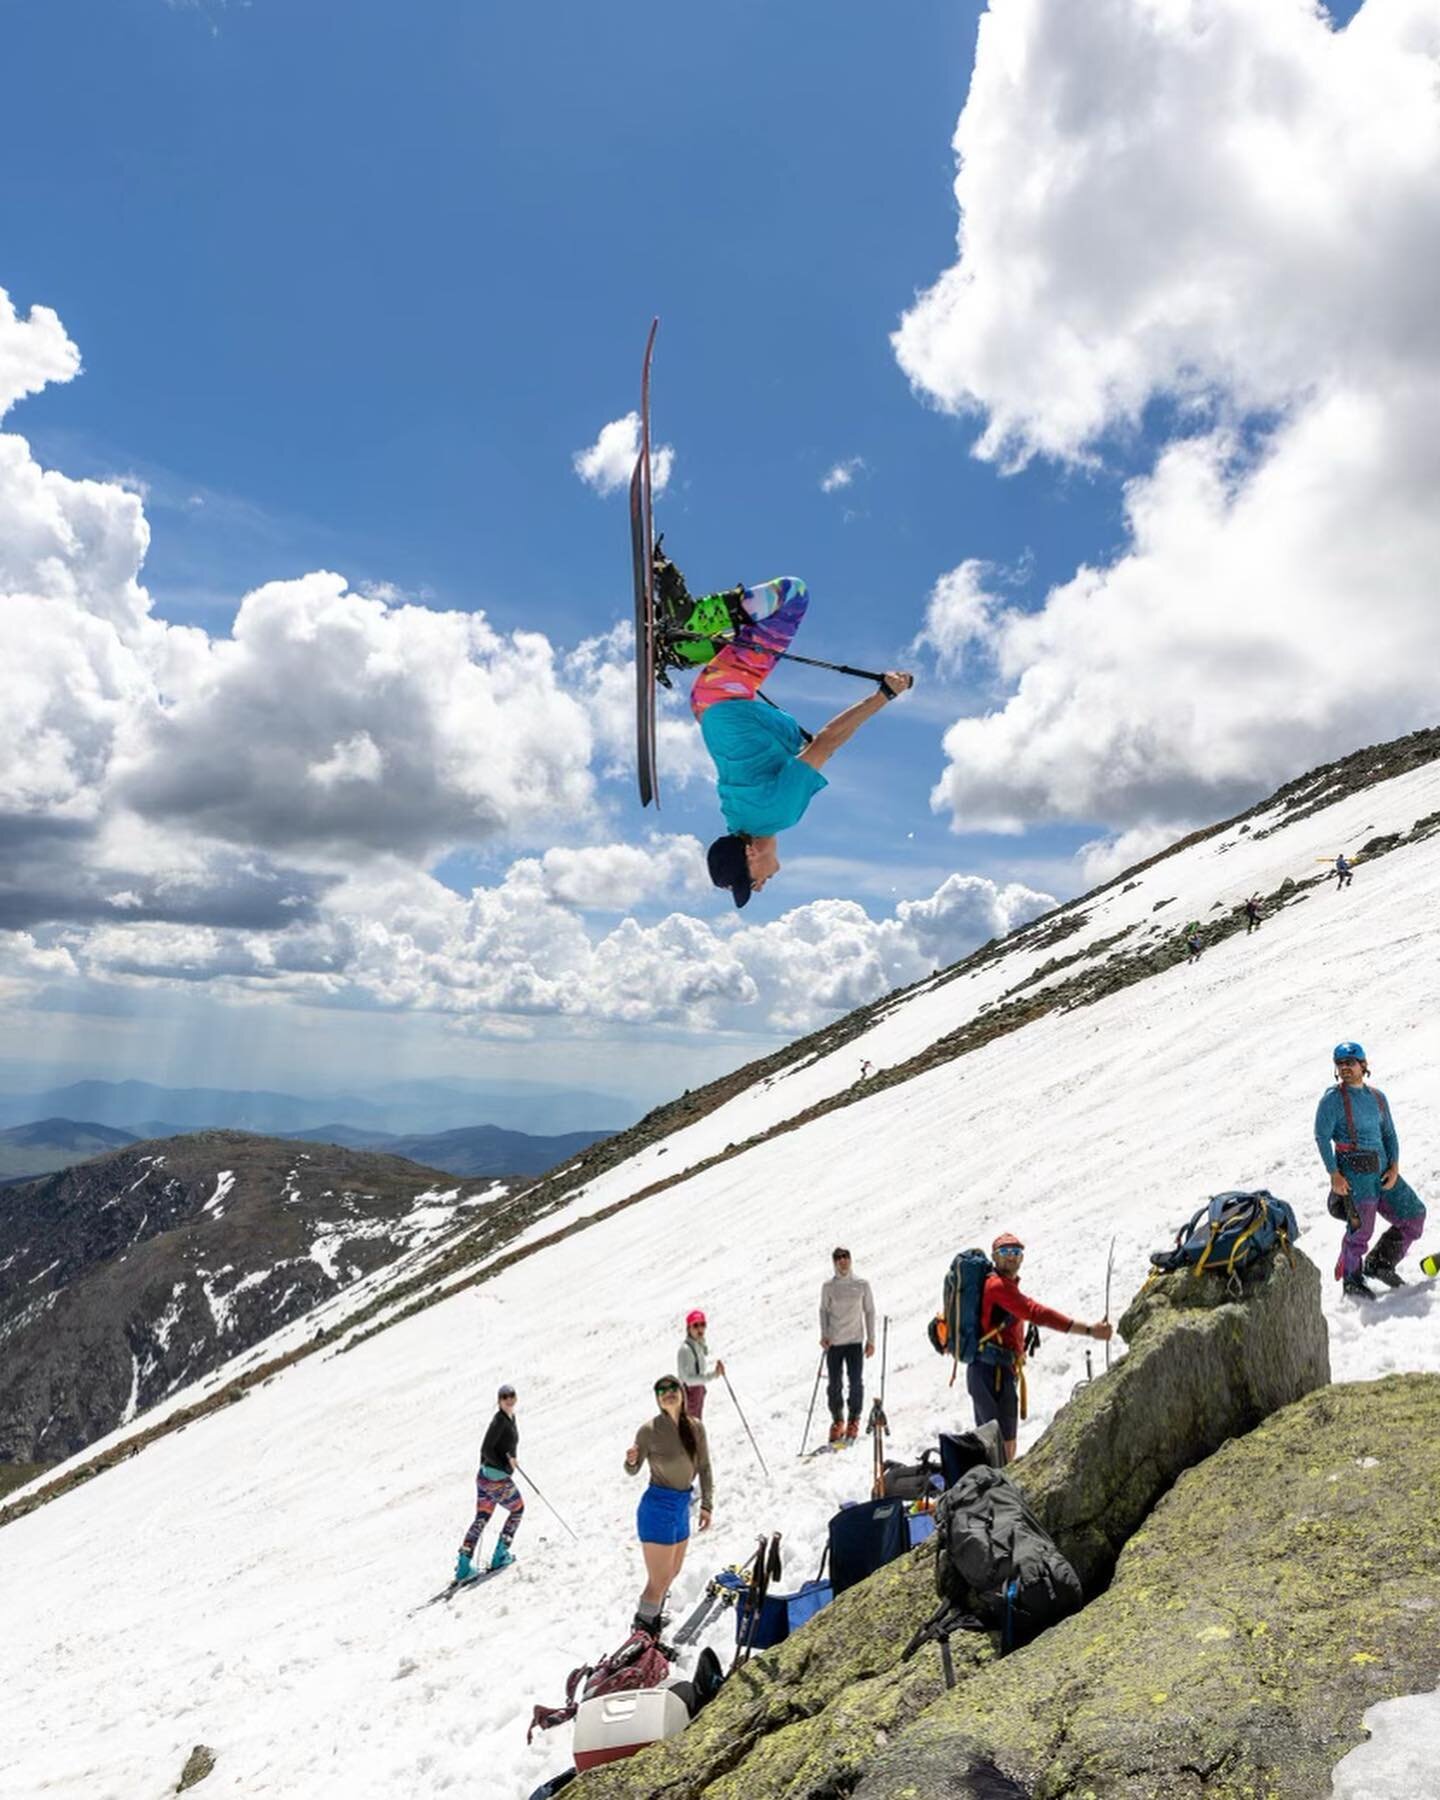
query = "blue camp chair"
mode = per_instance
[{"x": 863, "y": 1538}]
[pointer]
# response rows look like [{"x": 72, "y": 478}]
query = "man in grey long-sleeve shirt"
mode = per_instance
[{"x": 847, "y": 1335}]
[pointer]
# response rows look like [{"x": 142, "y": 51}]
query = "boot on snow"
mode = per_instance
[
  {"x": 503, "y": 1556},
  {"x": 837, "y": 1432},
  {"x": 1380, "y": 1263},
  {"x": 1357, "y": 1287},
  {"x": 852, "y": 1431},
  {"x": 464, "y": 1568}
]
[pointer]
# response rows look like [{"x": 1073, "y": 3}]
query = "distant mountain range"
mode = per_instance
[
  {"x": 401, "y": 1109},
  {"x": 473, "y": 1150},
  {"x": 130, "y": 1275},
  {"x": 45, "y": 1145}
]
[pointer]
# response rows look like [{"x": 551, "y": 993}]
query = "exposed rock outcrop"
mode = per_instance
[
  {"x": 1280, "y": 1589},
  {"x": 810, "y": 1717}
]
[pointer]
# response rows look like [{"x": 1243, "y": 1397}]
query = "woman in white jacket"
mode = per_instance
[{"x": 690, "y": 1364}]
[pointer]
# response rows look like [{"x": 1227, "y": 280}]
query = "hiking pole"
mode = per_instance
[
  {"x": 1109, "y": 1271},
  {"x": 746, "y": 1423},
  {"x": 539, "y": 1496},
  {"x": 814, "y": 1395}
]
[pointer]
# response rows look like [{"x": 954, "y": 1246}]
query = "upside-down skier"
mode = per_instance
[{"x": 766, "y": 771}]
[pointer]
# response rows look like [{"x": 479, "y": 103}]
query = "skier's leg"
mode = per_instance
[
  {"x": 513, "y": 1501},
  {"x": 695, "y": 1400},
  {"x": 1405, "y": 1210},
  {"x": 991, "y": 1400},
  {"x": 658, "y": 1561},
  {"x": 1357, "y": 1240},
  {"x": 855, "y": 1378},
  {"x": 774, "y": 611},
  {"x": 484, "y": 1507},
  {"x": 834, "y": 1363}
]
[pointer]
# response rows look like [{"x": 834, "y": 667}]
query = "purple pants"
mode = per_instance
[
  {"x": 695, "y": 1401},
  {"x": 1401, "y": 1206}
]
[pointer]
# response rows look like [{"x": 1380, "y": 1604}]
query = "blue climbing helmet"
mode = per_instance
[{"x": 1349, "y": 1052}]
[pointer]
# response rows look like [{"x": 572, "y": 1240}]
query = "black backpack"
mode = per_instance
[{"x": 995, "y": 1559}]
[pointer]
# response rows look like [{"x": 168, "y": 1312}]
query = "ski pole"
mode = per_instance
[
  {"x": 745, "y": 1422},
  {"x": 814, "y": 1394},
  {"x": 1109, "y": 1271},
  {"x": 539, "y": 1496},
  {"x": 815, "y": 662}
]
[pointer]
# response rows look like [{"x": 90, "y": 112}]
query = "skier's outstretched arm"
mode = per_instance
[{"x": 844, "y": 725}]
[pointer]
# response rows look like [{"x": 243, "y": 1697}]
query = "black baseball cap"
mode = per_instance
[
  {"x": 728, "y": 867},
  {"x": 506, "y": 1392}
]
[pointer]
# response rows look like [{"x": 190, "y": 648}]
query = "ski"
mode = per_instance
[
  {"x": 455, "y": 1587},
  {"x": 642, "y": 549}
]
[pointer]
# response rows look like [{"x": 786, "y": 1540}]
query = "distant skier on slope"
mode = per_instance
[
  {"x": 495, "y": 1486},
  {"x": 690, "y": 1361},
  {"x": 1004, "y": 1309},
  {"x": 1194, "y": 945},
  {"x": 676, "y": 1450},
  {"x": 1358, "y": 1144},
  {"x": 1252, "y": 914},
  {"x": 766, "y": 773},
  {"x": 1344, "y": 873}
]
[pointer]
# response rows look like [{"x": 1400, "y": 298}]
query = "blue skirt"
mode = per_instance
[{"x": 663, "y": 1515}]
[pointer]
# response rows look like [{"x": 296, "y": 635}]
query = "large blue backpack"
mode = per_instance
[
  {"x": 1229, "y": 1233},
  {"x": 955, "y": 1329}
]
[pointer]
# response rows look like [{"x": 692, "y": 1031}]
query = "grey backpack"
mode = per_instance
[{"x": 996, "y": 1561}]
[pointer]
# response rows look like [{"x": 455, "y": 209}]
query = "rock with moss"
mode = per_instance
[
  {"x": 810, "y": 1717},
  {"x": 198, "y": 1765},
  {"x": 1281, "y": 1588},
  {"x": 1208, "y": 1360}
]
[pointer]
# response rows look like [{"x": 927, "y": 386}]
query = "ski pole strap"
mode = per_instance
[{"x": 809, "y": 736}]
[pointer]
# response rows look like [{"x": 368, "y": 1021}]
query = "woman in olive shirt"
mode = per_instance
[{"x": 674, "y": 1446}]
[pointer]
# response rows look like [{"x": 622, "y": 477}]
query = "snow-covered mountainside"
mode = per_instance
[
  {"x": 1077, "y": 1082},
  {"x": 130, "y": 1276}
]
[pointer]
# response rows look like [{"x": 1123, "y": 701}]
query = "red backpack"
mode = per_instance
[{"x": 638, "y": 1663}]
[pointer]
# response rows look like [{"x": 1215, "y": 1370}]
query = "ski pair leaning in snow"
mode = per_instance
[
  {"x": 495, "y": 1486},
  {"x": 1356, "y": 1137}
]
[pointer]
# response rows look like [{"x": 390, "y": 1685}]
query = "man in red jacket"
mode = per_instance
[{"x": 1004, "y": 1314}]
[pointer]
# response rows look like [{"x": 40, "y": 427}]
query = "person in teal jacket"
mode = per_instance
[
  {"x": 766, "y": 771},
  {"x": 1360, "y": 1148}
]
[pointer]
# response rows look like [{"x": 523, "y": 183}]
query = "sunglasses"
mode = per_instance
[
  {"x": 1009, "y": 1250},
  {"x": 666, "y": 1387}
]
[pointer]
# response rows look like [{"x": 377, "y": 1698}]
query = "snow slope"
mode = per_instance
[{"x": 249, "y": 1583}]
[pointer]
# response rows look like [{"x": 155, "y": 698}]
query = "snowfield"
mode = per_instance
[{"x": 250, "y": 1583}]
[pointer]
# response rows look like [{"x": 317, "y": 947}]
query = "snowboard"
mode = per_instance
[{"x": 642, "y": 555}]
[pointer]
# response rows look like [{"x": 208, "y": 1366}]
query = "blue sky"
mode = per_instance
[
  {"x": 351, "y": 290},
  {"x": 365, "y": 291}
]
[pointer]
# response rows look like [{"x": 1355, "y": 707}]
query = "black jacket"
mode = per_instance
[{"x": 502, "y": 1442}]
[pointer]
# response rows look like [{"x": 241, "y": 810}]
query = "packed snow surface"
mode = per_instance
[{"x": 251, "y": 1584}]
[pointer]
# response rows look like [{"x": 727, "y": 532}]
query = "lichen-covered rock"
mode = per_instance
[
  {"x": 1204, "y": 1365},
  {"x": 198, "y": 1765},
  {"x": 809, "y": 1717},
  {"x": 1280, "y": 1589}
]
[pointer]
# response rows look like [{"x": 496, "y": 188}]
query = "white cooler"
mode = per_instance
[{"x": 613, "y": 1726}]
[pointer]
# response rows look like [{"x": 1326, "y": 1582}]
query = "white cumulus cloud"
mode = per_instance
[
  {"x": 609, "y": 462},
  {"x": 1233, "y": 209}
]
